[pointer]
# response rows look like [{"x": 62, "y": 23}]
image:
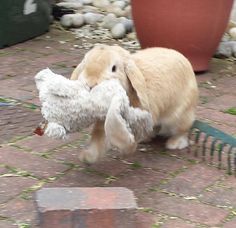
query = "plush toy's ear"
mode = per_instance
[
  {"x": 138, "y": 82},
  {"x": 117, "y": 130},
  {"x": 75, "y": 74},
  {"x": 41, "y": 77}
]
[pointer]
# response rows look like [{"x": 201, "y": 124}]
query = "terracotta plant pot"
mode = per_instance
[{"x": 193, "y": 27}]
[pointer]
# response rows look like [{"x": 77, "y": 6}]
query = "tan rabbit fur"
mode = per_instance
[{"x": 158, "y": 80}]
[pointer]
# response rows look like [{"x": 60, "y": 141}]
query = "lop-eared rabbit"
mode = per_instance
[{"x": 158, "y": 80}]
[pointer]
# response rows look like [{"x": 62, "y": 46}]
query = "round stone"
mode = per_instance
[
  {"x": 77, "y": 20},
  {"x": 70, "y": 5},
  {"x": 232, "y": 33},
  {"x": 92, "y": 18},
  {"x": 127, "y": 23},
  {"x": 116, "y": 10},
  {"x": 78, "y": 1},
  {"x": 87, "y": 2},
  {"x": 127, "y": 11},
  {"x": 225, "y": 37},
  {"x": 224, "y": 50},
  {"x": 66, "y": 20},
  {"x": 234, "y": 48},
  {"x": 120, "y": 4},
  {"x": 118, "y": 31},
  {"x": 109, "y": 21},
  {"x": 101, "y": 3}
]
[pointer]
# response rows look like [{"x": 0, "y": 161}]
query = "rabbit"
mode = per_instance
[{"x": 159, "y": 80}]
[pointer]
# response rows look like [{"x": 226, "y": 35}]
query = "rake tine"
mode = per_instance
[
  {"x": 235, "y": 163},
  {"x": 221, "y": 146},
  {"x": 213, "y": 145},
  {"x": 197, "y": 137},
  {"x": 229, "y": 160},
  {"x": 204, "y": 147},
  {"x": 189, "y": 141}
]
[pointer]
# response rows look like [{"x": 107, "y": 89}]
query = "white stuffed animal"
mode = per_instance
[{"x": 69, "y": 105}]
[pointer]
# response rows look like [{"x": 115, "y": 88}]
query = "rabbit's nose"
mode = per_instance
[{"x": 92, "y": 86}]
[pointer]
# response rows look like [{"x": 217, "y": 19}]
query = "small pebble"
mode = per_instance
[
  {"x": 118, "y": 31},
  {"x": 131, "y": 36}
]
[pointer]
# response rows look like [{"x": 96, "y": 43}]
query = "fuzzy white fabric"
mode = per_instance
[{"x": 70, "y": 105}]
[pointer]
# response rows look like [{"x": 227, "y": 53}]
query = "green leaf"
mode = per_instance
[{"x": 231, "y": 111}]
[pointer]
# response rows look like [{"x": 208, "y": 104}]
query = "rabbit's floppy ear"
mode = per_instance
[
  {"x": 75, "y": 74},
  {"x": 138, "y": 82}
]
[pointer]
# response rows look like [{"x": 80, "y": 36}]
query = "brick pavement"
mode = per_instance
[{"x": 173, "y": 189}]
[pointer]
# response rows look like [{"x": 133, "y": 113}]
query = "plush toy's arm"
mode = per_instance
[
  {"x": 57, "y": 85},
  {"x": 125, "y": 125},
  {"x": 65, "y": 88},
  {"x": 116, "y": 127}
]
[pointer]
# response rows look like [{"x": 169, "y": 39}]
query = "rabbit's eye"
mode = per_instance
[{"x": 113, "y": 69}]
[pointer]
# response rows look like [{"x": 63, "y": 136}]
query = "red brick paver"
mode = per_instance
[
  {"x": 7, "y": 224},
  {"x": 177, "y": 223},
  {"x": 19, "y": 210},
  {"x": 193, "y": 180},
  {"x": 230, "y": 224},
  {"x": 186, "y": 209},
  {"x": 13, "y": 186},
  {"x": 38, "y": 166},
  {"x": 91, "y": 207}
]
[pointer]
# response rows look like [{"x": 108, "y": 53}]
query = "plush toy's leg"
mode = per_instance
[{"x": 97, "y": 146}]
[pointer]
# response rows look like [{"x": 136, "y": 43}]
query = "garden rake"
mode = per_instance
[{"x": 214, "y": 144}]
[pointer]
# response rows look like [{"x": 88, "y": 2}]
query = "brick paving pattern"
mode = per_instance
[{"x": 173, "y": 188}]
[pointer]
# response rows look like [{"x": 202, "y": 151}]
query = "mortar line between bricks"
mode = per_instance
[
  {"x": 20, "y": 102},
  {"x": 15, "y": 145},
  {"x": 33, "y": 189},
  {"x": 172, "y": 194},
  {"x": 194, "y": 200},
  {"x": 16, "y": 196},
  {"x": 14, "y": 221},
  {"x": 14, "y": 140},
  {"x": 166, "y": 217},
  {"x": 170, "y": 217},
  {"x": 14, "y": 170}
]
